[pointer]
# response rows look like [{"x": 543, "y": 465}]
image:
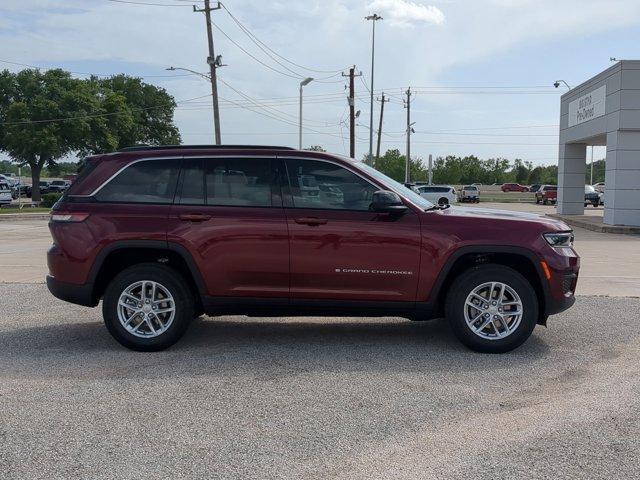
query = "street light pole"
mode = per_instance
[
  {"x": 304, "y": 82},
  {"x": 374, "y": 18}
]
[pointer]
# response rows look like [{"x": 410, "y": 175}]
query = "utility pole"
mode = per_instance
[
  {"x": 212, "y": 61},
  {"x": 382, "y": 102},
  {"x": 430, "y": 170},
  {"x": 407, "y": 105},
  {"x": 352, "y": 110},
  {"x": 374, "y": 18}
]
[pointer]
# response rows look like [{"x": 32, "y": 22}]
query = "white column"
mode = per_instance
[
  {"x": 572, "y": 163},
  {"x": 622, "y": 178}
]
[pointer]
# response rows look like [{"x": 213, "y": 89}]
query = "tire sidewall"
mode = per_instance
[
  {"x": 474, "y": 277},
  {"x": 169, "y": 279}
]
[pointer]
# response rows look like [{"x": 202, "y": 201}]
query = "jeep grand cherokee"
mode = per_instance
[{"x": 164, "y": 234}]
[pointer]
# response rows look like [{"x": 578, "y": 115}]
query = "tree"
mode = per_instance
[
  {"x": 146, "y": 114},
  {"x": 29, "y": 100},
  {"x": 392, "y": 164},
  {"x": 46, "y": 116}
]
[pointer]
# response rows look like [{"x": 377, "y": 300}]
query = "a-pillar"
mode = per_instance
[{"x": 572, "y": 163}]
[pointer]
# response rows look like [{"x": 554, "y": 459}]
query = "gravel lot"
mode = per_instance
[{"x": 318, "y": 398}]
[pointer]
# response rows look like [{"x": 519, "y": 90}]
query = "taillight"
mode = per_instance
[{"x": 69, "y": 217}]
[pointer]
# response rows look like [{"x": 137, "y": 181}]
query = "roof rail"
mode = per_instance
[{"x": 137, "y": 148}]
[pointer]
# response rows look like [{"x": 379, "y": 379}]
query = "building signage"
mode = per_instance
[{"x": 588, "y": 107}]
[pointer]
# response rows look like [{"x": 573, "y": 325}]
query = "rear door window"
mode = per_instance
[
  {"x": 247, "y": 182},
  {"x": 147, "y": 181}
]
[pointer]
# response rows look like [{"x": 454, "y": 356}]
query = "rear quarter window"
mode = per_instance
[{"x": 147, "y": 181}]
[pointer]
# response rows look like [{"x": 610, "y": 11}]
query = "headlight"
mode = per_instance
[{"x": 559, "y": 239}]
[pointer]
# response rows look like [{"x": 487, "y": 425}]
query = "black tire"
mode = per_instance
[
  {"x": 466, "y": 283},
  {"x": 537, "y": 201},
  {"x": 170, "y": 280},
  {"x": 545, "y": 202},
  {"x": 443, "y": 201}
]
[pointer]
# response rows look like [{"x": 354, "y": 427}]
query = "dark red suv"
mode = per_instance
[{"x": 165, "y": 234}]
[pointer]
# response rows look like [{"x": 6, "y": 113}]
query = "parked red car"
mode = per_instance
[
  {"x": 547, "y": 194},
  {"x": 514, "y": 187},
  {"x": 167, "y": 233}
]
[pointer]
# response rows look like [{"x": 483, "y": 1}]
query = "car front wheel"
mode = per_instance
[
  {"x": 492, "y": 308},
  {"x": 147, "y": 307}
]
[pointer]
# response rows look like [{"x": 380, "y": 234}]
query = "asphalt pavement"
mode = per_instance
[{"x": 336, "y": 398}]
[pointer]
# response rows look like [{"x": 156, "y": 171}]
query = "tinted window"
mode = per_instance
[
  {"x": 239, "y": 182},
  {"x": 149, "y": 181},
  {"x": 316, "y": 184},
  {"x": 192, "y": 189}
]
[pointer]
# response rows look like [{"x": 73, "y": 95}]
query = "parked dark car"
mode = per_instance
[
  {"x": 591, "y": 196},
  {"x": 163, "y": 234},
  {"x": 45, "y": 187}
]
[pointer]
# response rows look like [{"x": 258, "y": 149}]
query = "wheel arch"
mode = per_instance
[
  {"x": 117, "y": 256},
  {"x": 521, "y": 259}
]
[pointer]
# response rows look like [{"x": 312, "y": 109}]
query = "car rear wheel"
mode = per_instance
[
  {"x": 147, "y": 307},
  {"x": 492, "y": 309},
  {"x": 443, "y": 201}
]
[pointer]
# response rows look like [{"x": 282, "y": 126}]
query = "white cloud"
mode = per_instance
[{"x": 404, "y": 13}]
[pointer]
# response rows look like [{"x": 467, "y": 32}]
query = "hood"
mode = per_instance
[{"x": 494, "y": 214}]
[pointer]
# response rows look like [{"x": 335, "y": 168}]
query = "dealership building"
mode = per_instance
[{"x": 604, "y": 110}]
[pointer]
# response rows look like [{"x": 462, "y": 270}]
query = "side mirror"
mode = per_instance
[{"x": 385, "y": 201}]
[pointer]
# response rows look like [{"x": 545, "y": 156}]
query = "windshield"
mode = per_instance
[{"x": 397, "y": 187}]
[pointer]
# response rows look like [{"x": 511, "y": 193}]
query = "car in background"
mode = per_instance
[
  {"x": 513, "y": 187},
  {"x": 25, "y": 190},
  {"x": 469, "y": 193},
  {"x": 437, "y": 194},
  {"x": 599, "y": 187},
  {"x": 547, "y": 194},
  {"x": 5, "y": 192},
  {"x": 59, "y": 186},
  {"x": 535, "y": 187},
  {"x": 45, "y": 187},
  {"x": 591, "y": 196}
]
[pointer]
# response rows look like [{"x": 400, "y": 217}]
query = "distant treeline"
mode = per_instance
[{"x": 455, "y": 170}]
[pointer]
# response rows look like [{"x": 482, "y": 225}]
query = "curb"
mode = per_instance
[
  {"x": 577, "y": 221},
  {"x": 8, "y": 217}
]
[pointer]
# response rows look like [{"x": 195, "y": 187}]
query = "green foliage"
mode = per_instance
[
  {"x": 48, "y": 199},
  {"x": 392, "y": 164},
  {"x": 452, "y": 170},
  {"x": 599, "y": 167},
  {"x": 90, "y": 116}
]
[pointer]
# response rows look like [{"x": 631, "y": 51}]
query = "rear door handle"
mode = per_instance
[
  {"x": 312, "y": 221},
  {"x": 194, "y": 217}
]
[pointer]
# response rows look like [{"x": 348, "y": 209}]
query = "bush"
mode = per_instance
[{"x": 48, "y": 199}]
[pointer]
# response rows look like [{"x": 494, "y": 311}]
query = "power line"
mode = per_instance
[
  {"x": 259, "y": 42},
  {"x": 106, "y": 75},
  {"x": 96, "y": 115},
  {"x": 130, "y": 2}
]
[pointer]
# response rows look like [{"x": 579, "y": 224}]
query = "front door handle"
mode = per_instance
[
  {"x": 194, "y": 217},
  {"x": 312, "y": 221}
]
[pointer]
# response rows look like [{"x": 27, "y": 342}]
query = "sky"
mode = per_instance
[{"x": 482, "y": 71}]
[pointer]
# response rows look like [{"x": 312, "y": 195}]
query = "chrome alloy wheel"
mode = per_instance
[
  {"x": 146, "y": 309},
  {"x": 493, "y": 310}
]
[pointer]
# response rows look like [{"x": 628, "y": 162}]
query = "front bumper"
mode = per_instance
[{"x": 73, "y": 293}]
